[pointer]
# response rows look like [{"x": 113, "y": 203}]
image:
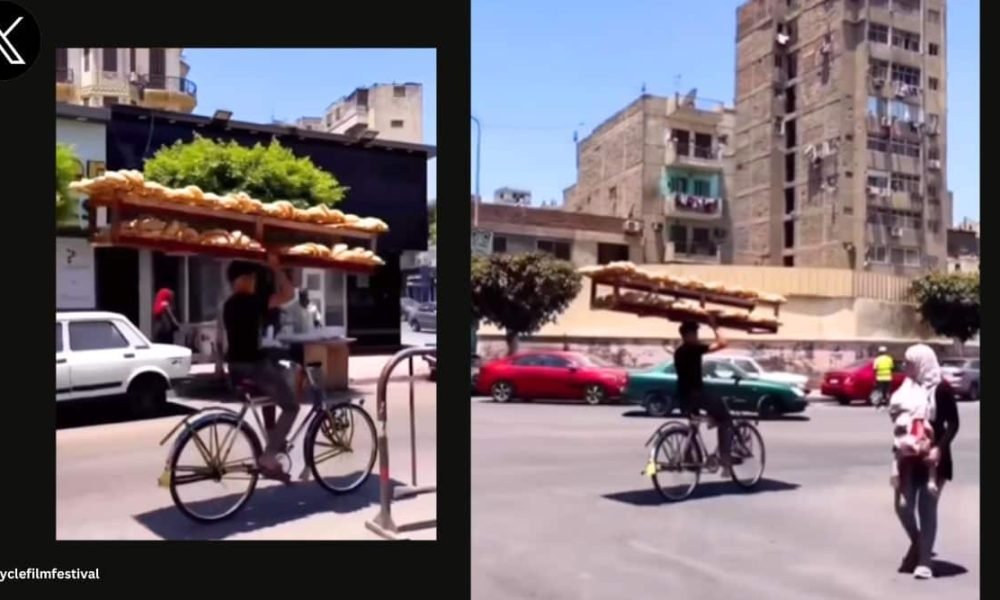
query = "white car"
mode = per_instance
[
  {"x": 753, "y": 367},
  {"x": 102, "y": 354}
]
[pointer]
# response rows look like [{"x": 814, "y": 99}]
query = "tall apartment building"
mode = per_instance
[
  {"x": 661, "y": 164},
  {"x": 840, "y": 134},
  {"x": 388, "y": 111},
  {"x": 149, "y": 77}
]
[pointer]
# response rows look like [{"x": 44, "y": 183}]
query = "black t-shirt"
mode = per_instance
[
  {"x": 242, "y": 316},
  {"x": 687, "y": 364}
]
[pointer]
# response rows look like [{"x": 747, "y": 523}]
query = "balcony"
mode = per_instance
[
  {"x": 689, "y": 155},
  {"x": 66, "y": 88},
  {"x": 681, "y": 205},
  {"x": 349, "y": 119},
  {"x": 163, "y": 92},
  {"x": 692, "y": 252}
]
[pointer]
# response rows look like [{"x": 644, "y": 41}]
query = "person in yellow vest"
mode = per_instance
[{"x": 883, "y": 375}]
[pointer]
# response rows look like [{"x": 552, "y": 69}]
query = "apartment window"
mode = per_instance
[
  {"x": 878, "y": 69},
  {"x": 933, "y": 49},
  {"x": 788, "y": 261},
  {"x": 901, "y": 111},
  {"x": 361, "y": 98},
  {"x": 934, "y": 226},
  {"x": 109, "y": 59},
  {"x": 677, "y": 185},
  {"x": 678, "y": 237},
  {"x": 682, "y": 142},
  {"x": 903, "y": 182},
  {"x": 789, "y": 200},
  {"x": 912, "y": 257},
  {"x": 878, "y": 143},
  {"x": 790, "y": 100},
  {"x": 399, "y": 91},
  {"x": 897, "y": 256},
  {"x": 791, "y": 134},
  {"x": 86, "y": 59},
  {"x": 933, "y": 153},
  {"x": 608, "y": 253},
  {"x": 396, "y": 123},
  {"x": 878, "y": 33},
  {"x": 908, "y": 6},
  {"x": 792, "y": 65},
  {"x": 933, "y": 83},
  {"x": 877, "y": 254},
  {"x": 932, "y": 194},
  {"x": 905, "y": 74},
  {"x": 905, "y": 148},
  {"x": 702, "y": 188},
  {"x": 499, "y": 244},
  {"x": 933, "y": 16},
  {"x": 703, "y": 145},
  {"x": 877, "y": 107},
  {"x": 906, "y": 40},
  {"x": 559, "y": 250},
  {"x": 790, "y": 167},
  {"x": 789, "y": 233}
]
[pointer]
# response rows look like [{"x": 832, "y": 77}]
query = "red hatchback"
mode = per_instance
[
  {"x": 856, "y": 381},
  {"x": 551, "y": 376}
]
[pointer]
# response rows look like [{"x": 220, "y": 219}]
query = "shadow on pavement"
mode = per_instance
[
  {"x": 640, "y": 413},
  {"x": 269, "y": 507},
  {"x": 709, "y": 489},
  {"x": 943, "y": 568},
  {"x": 85, "y": 413}
]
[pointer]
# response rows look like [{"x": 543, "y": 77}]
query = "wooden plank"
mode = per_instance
[{"x": 642, "y": 310}]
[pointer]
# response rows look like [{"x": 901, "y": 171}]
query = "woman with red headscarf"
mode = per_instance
[{"x": 165, "y": 324}]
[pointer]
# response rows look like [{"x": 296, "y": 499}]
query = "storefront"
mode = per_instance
[{"x": 387, "y": 180}]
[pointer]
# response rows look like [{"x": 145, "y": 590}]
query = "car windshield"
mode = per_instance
[{"x": 587, "y": 360}]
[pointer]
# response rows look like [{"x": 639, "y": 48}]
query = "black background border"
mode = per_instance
[{"x": 27, "y": 494}]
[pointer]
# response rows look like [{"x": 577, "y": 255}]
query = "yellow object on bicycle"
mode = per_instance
[{"x": 650, "y": 468}]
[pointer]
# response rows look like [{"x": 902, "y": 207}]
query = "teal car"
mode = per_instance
[{"x": 655, "y": 389}]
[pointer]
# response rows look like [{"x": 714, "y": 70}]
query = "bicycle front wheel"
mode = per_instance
[
  {"x": 340, "y": 447},
  {"x": 678, "y": 463},
  {"x": 213, "y": 468},
  {"x": 748, "y": 455}
]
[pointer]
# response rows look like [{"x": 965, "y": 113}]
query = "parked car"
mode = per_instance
[
  {"x": 424, "y": 318},
  {"x": 102, "y": 354},
  {"x": 752, "y": 367},
  {"x": 962, "y": 374},
  {"x": 656, "y": 390},
  {"x": 407, "y": 306},
  {"x": 551, "y": 376},
  {"x": 856, "y": 381}
]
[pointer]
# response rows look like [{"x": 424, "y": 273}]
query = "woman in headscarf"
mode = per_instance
[
  {"x": 916, "y": 502},
  {"x": 165, "y": 324}
]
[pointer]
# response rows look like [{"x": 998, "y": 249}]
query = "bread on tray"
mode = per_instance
[
  {"x": 624, "y": 273},
  {"x": 339, "y": 253}
]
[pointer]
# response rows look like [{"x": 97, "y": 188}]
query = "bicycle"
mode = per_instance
[
  {"x": 678, "y": 449},
  {"x": 333, "y": 429}
]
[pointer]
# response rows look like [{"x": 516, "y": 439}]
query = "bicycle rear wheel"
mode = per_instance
[
  {"x": 748, "y": 455},
  {"x": 677, "y": 463},
  {"x": 340, "y": 447},
  {"x": 213, "y": 467}
]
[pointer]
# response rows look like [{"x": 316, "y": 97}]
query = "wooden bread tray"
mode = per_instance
[
  {"x": 620, "y": 304},
  {"x": 702, "y": 297}
]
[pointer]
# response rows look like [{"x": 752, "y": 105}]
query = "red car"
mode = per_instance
[
  {"x": 856, "y": 381},
  {"x": 551, "y": 376}
]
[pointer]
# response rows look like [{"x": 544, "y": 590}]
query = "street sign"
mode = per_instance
[{"x": 482, "y": 242}]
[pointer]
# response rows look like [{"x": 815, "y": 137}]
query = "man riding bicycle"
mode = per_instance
[
  {"x": 884, "y": 366},
  {"x": 690, "y": 384},
  {"x": 242, "y": 315}
]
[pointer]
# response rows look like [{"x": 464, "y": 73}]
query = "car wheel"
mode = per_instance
[
  {"x": 767, "y": 408},
  {"x": 147, "y": 395},
  {"x": 502, "y": 391},
  {"x": 657, "y": 405},
  {"x": 974, "y": 392},
  {"x": 594, "y": 395},
  {"x": 843, "y": 400}
]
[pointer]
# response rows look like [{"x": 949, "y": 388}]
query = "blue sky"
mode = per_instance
[
  {"x": 261, "y": 84},
  {"x": 541, "y": 70}
]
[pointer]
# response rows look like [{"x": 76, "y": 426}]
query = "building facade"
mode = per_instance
[
  {"x": 964, "y": 248},
  {"x": 386, "y": 111},
  {"x": 660, "y": 165},
  {"x": 840, "y": 154},
  {"x": 150, "y": 77}
]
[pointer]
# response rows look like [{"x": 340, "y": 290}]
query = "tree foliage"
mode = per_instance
[
  {"x": 432, "y": 223},
  {"x": 521, "y": 292},
  {"x": 949, "y": 303},
  {"x": 268, "y": 173},
  {"x": 67, "y": 169}
]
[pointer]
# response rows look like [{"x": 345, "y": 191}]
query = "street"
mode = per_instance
[
  {"x": 408, "y": 337},
  {"x": 560, "y": 511},
  {"x": 106, "y": 480}
]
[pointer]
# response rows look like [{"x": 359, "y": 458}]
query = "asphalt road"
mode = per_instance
[
  {"x": 408, "y": 337},
  {"x": 560, "y": 511},
  {"x": 107, "y": 466}
]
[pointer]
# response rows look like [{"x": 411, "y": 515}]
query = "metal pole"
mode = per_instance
[
  {"x": 479, "y": 139},
  {"x": 413, "y": 431}
]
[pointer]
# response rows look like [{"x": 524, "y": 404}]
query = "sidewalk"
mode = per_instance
[{"x": 362, "y": 370}]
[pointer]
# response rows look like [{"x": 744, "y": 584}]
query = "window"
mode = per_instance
[
  {"x": 677, "y": 185},
  {"x": 560, "y": 250},
  {"x": 877, "y": 254},
  {"x": 905, "y": 148},
  {"x": 361, "y": 98},
  {"x": 933, "y": 153},
  {"x": 906, "y": 6},
  {"x": 878, "y": 69},
  {"x": 556, "y": 362},
  {"x": 903, "y": 182},
  {"x": 396, "y": 123},
  {"x": 131, "y": 60},
  {"x": 59, "y": 337},
  {"x": 934, "y": 226},
  {"x": 878, "y": 181},
  {"x": 792, "y": 65},
  {"x": 789, "y": 200},
  {"x": 703, "y": 145},
  {"x": 933, "y": 83},
  {"x": 678, "y": 236},
  {"x": 95, "y": 335},
  {"x": 897, "y": 256},
  {"x": 682, "y": 141},
  {"x": 878, "y": 33},
  {"x": 932, "y": 194},
  {"x": 109, "y": 59},
  {"x": 906, "y": 40},
  {"x": 499, "y": 244},
  {"x": 877, "y": 107},
  {"x": 933, "y": 49},
  {"x": 912, "y": 257},
  {"x": 702, "y": 188},
  {"x": 746, "y": 365},
  {"x": 532, "y": 360},
  {"x": 399, "y": 91},
  {"x": 608, "y": 253},
  {"x": 788, "y": 261},
  {"x": 933, "y": 16},
  {"x": 905, "y": 74},
  {"x": 613, "y": 192},
  {"x": 789, "y": 233},
  {"x": 86, "y": 59},
  {"x": 901, "y": 111}
]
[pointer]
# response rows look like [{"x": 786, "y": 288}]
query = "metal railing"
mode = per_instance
[
  {"x": 168, "y": 83},
  {"x": 383, "y": 524}
]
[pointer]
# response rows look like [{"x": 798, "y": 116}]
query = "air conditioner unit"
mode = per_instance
[
  {"x": 935, "y": 164},
  {"x": 633, "y": 226}
]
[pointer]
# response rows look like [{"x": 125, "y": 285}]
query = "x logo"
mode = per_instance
[{"x": 7, "y": 48}]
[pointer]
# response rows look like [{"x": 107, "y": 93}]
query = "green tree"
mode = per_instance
[
  {"x": 432, "y": 222},
  {"x": 67, "y": 170},
  {"x": 949, "y": 303},
  {"x": 521, "y": 292},
  {"x": 268, "y": 173}
]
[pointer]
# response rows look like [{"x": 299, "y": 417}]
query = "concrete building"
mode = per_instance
[
  {"x": 512, "y": 197},
  {"x": 659, "y": 164},
  {"x": 964, "y": 247},
  {"x": 840, "y": 134},
  {"x": 388, "y": 111},
  {"x": 154, "y": 78}
]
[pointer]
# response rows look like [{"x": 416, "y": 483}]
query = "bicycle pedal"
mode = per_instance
[{"x": 164, "y": 479}]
